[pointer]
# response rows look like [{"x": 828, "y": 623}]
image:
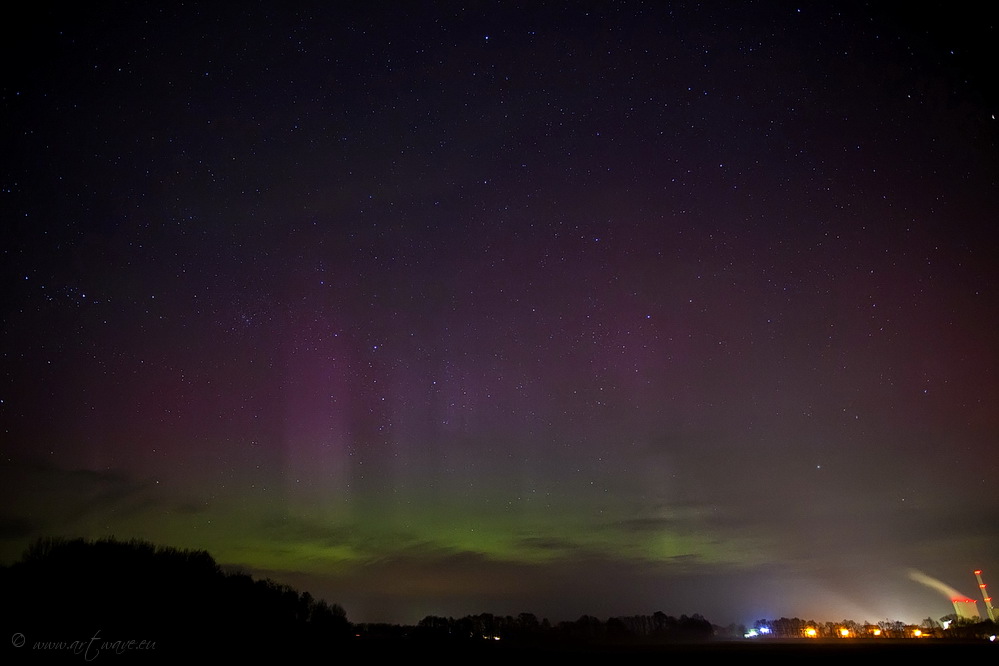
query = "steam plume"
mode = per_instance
[{"x": 939, "y": 586}]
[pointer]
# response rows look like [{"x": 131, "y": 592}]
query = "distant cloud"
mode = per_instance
[
  {"x": 554, "y": 544},
  {"x": 12, "y": 527},
  {"x": 64, "y": 502}
]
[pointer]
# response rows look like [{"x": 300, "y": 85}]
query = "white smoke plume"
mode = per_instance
[{"x": 937, "y": 585}]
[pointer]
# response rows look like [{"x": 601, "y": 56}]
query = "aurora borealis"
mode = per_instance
[{"x": 596, "y": 308}]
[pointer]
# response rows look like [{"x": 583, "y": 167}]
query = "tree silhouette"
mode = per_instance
[{"x": 180, "y": 599}]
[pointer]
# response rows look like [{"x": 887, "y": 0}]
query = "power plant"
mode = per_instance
[
  {"x": 985, "y": 595},
  {"x": 964, "y": 606},
  {"x": 966, "y": 609}
]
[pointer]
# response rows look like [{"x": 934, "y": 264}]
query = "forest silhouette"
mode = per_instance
[{"x": 64, "y": 591}]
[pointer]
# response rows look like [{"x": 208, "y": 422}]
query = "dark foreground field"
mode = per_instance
[{"x": 179, "y": 648}]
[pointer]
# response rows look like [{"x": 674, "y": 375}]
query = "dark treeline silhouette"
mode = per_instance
[
  {"x": 67, "y": 590},
  {"x": 526, "y": 627}
]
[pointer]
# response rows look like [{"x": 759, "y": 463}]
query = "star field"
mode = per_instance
[{"x": 601, "y": 308}]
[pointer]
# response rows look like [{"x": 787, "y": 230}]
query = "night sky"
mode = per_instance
[{"x": 603, "y": 308}]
